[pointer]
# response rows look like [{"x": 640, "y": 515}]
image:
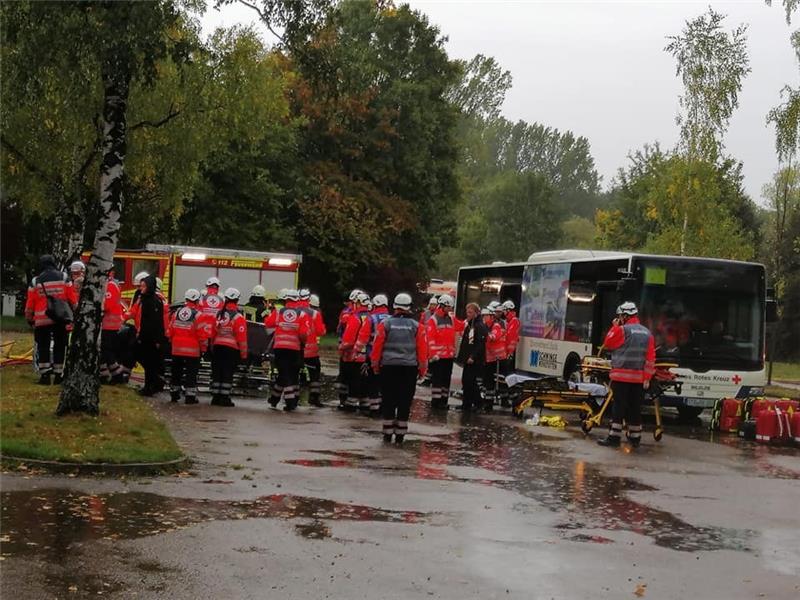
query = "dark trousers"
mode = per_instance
[
  {"x": 627, "y": 406},
  {"x": 149, "y": 355},
  {"x": 356, "y": 385},
  {"x": 109, "y": 342},
  {"x": 223, "y": 365},
  {"x": 184, "y": 374},
  {"x": 398, "y": 384},
  {"x": 490, "y": 385},
  {"x": 43, "y": 336},
  {"x": 470, "y": 384},
  {"x": 314, "y": 369},
  {"x": 441, "y": 373},
  {"x": 341, "y": 384},
  {"x": 506, "y": 368},
  {"x": 288, "y": 363},
  {"x": 373, "y": 383}
]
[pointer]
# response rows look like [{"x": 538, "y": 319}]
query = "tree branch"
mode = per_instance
[
  {"x": 264, "y": 17},
  {"x": 28, "y": 164},
  {"x": 147, "y": 123}
]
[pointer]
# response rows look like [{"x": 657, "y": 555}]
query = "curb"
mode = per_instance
[{"x": 108, "y": 469}]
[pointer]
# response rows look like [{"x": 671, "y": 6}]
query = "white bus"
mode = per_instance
[{"x": 707, "y": 315}]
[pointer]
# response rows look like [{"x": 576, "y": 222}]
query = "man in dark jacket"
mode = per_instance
[
  {"x": 151, "y": 336},
  {"x": 471, "y": 356}
]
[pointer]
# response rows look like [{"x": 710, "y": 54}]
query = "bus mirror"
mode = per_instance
[{"x": 772, "y": 311}]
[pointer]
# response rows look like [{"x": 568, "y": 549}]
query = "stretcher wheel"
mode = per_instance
[
  {"x": 657, "y": 434},
  {"x": 586, "y": 426}
]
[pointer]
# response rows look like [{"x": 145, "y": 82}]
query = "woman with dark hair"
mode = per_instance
[{"x": 150, "y": 336}]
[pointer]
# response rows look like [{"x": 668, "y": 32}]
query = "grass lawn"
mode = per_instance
[
  {"x": 126, "y": 431},
  {"x": 786, "y": 371},
  {"x": 330, "y": 340},
  {"x": 17, "y": 323},
  {"x": 776, "y": 391}
]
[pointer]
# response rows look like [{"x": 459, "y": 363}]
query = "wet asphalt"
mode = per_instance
[{"x": 312, "y": 504}]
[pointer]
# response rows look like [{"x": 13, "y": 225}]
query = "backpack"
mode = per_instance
[{"x": 59, "y": 311}]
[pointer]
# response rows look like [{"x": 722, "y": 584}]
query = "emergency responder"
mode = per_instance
[
  {"x": 126, "y": 339},
  {"x": 366, "y": 339},
  {"x": 495, "y": 353},
  {"x": 471, "y": 357},
  {"x": 304, "y": 298},
  {"x": 256, "y": 309},
  {"x": 77, "y": 275},
  {"x": 342, "y": 382},
  {"x": 500, "y": 318},
  {"x": 149, "y": 315},
  {"x": 228, "y": 346},
  {"x": 188, "y": 337},
  {"x": 427, "y": 313},
  {"x": 441, "y": 330},
  {"x": 49, "y": 283},
  {"x": 210, "y": 304},
  {"x": 291, "y": 326},
  {"x": 512, "y": 333},
  {"x": 111, "y": 370},
  {"x": 633, "y": 356},
  {"x": 353, "y": 357},
  {"x": 399, "y": 355},
  {"x": 311, "y": 349}
]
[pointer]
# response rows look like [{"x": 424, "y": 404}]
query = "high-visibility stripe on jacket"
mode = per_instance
[
  {"x": 348, "y": 347},
  {"x": 400, "y": 341},
  {"x": 495, "y": 343},
  {"x": 209, "y": 306},
  {"x": 316, "y": 331},
  {"x": 36, "y": 300},
  {"x": 186, "y": 332},
  {"x": 113, "y": 308},
  {"x": 231, "y": 330},
  {"x": 512, "y": 333},
  {"x": 340, "y": 325},
  {"x": 633, "y": 353},
  {"x": 441, "y": 331},
  {"x": 291, "y": 327},
  {"x": 369, "y": 329}
]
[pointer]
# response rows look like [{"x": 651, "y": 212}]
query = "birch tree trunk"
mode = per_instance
[{"x": 81, "y": 388}]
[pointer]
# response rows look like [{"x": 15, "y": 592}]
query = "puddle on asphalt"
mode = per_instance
[{"x": 49, "y": 521}]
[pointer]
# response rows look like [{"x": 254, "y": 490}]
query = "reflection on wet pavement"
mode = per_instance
[{"x": 48, "y": 521}]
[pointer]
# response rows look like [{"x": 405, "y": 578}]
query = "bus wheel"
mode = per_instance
[
  {"x": 586, "y": 426},
  {"x": 689, "y": 413}
]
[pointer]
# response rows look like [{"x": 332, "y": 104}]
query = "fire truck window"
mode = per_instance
[
  {"x": 145, "y": 264},
  {"x": 119, "y": 269}
]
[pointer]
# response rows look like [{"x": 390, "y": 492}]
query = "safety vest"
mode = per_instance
[
  {"x": 630, "y": 362},
  {"x": 113, "y": 308},
  {"x": 186, "y": 333},
  {"x": 209, "y": 306},
  {"x": 290, "y": 326},
  {"x": 441, "y": 331},
  {"x": 231, "y": 330},
  {"x": 400, "y": 346},
  {"x": 316, "y": 329},
  {"x": 36, "y": 302},
  {"x": 495, "y": 343},
  {"x": 350, "y": 349}
]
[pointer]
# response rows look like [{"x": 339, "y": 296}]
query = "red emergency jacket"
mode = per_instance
[
  {"x": 441, "y": 331},
  {"x": 348, "y": 347},
  {"x": 316, "y": 330},
  {"x": 495, "y": 343},
  {"x": 230, "y": 330},
  {"x": 633, "y": 354},
  {"x": 36, "y": 300},
  {"x": 369, "y": 329},
  {"x": 186, "y": 332},
  {"x": 420, "y": 343},
  {"x": 343, "y": 315},
  {"x": 291, "y": 326},
  {"x": 113, "y": 307},
  {"x": 512, "y": 332},
  {"x": 209, "y": 305}
]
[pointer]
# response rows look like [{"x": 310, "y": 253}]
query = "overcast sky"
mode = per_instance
[{"x": 600, "y": 70}]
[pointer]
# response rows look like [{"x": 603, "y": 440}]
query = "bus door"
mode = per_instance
[{"x": 608, "y": 298}]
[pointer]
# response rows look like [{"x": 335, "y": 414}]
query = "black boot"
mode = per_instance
[
  {"x": 226, "y": 401},
  {"x": 314, "y": 400},
  {"x": 398, "y": 439},
  {"x": 191, "y": 400},
  {"x": 387, "y": 438},
  {"x": 635, "y": 442},
  {"x": 216, "y": 400},
  {"x": 174, "y": 396},
  {"x": 44, "y": 379},
  {"x": 612, "y": 441}
]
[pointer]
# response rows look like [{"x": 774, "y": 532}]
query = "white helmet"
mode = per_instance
[
  {"x": 433, "y": 301},
  {"x": 212, "y": 281},
  {"x": 486, "y": 311},
  {"x": 627, "y": 308},
  {"x": 140, "y": 277},
  {"x": 354, "y": 295},
  {"x": 292, "y": 295},
  {"x": 304, "y": 294},
  {"x": 159, "y": 283},
  {"x": 362, "y": 298},
  {"x": 495, "y": 306},
  {"x": 402, "y": 301},
  {"x": 314, "y": 301},
  {"x": 380, "y": 300},
  {"x": 77, "y": 266},
  {"x": 509, "y": 305},
  {"x": 446, "y": 300},
  {"x": 192, "y": 295},
  {"x": 258, "y": 291},
  {"x": 232, "y": 294},
  {"x": 282, "y": 293}
]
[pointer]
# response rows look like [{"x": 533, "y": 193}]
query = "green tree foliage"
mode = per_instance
[{"x": 647, "y": 210}]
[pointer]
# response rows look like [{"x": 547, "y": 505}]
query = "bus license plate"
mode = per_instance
[{"x": 696, "y": 402}]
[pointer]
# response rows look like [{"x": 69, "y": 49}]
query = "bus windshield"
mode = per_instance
[{"x": 704, "y": 314}]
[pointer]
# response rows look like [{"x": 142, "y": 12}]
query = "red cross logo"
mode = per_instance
[{"x": 736, "y": 379}]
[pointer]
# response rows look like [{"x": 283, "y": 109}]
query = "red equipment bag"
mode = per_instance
[
  {"x": 795, "y": 426},
  {"x": 788, "y": 406},
  {"x": 730, "y": 415},
  {"x": 760, "y": 405},
  {"x": 772, "y": 426}
]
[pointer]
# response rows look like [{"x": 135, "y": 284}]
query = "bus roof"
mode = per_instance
[{"x": 572, "y": 255}]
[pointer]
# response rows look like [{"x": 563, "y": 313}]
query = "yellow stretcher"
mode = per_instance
[
  {"x": 8, "y": 359},
  {"x": 591, "y": 398}
]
